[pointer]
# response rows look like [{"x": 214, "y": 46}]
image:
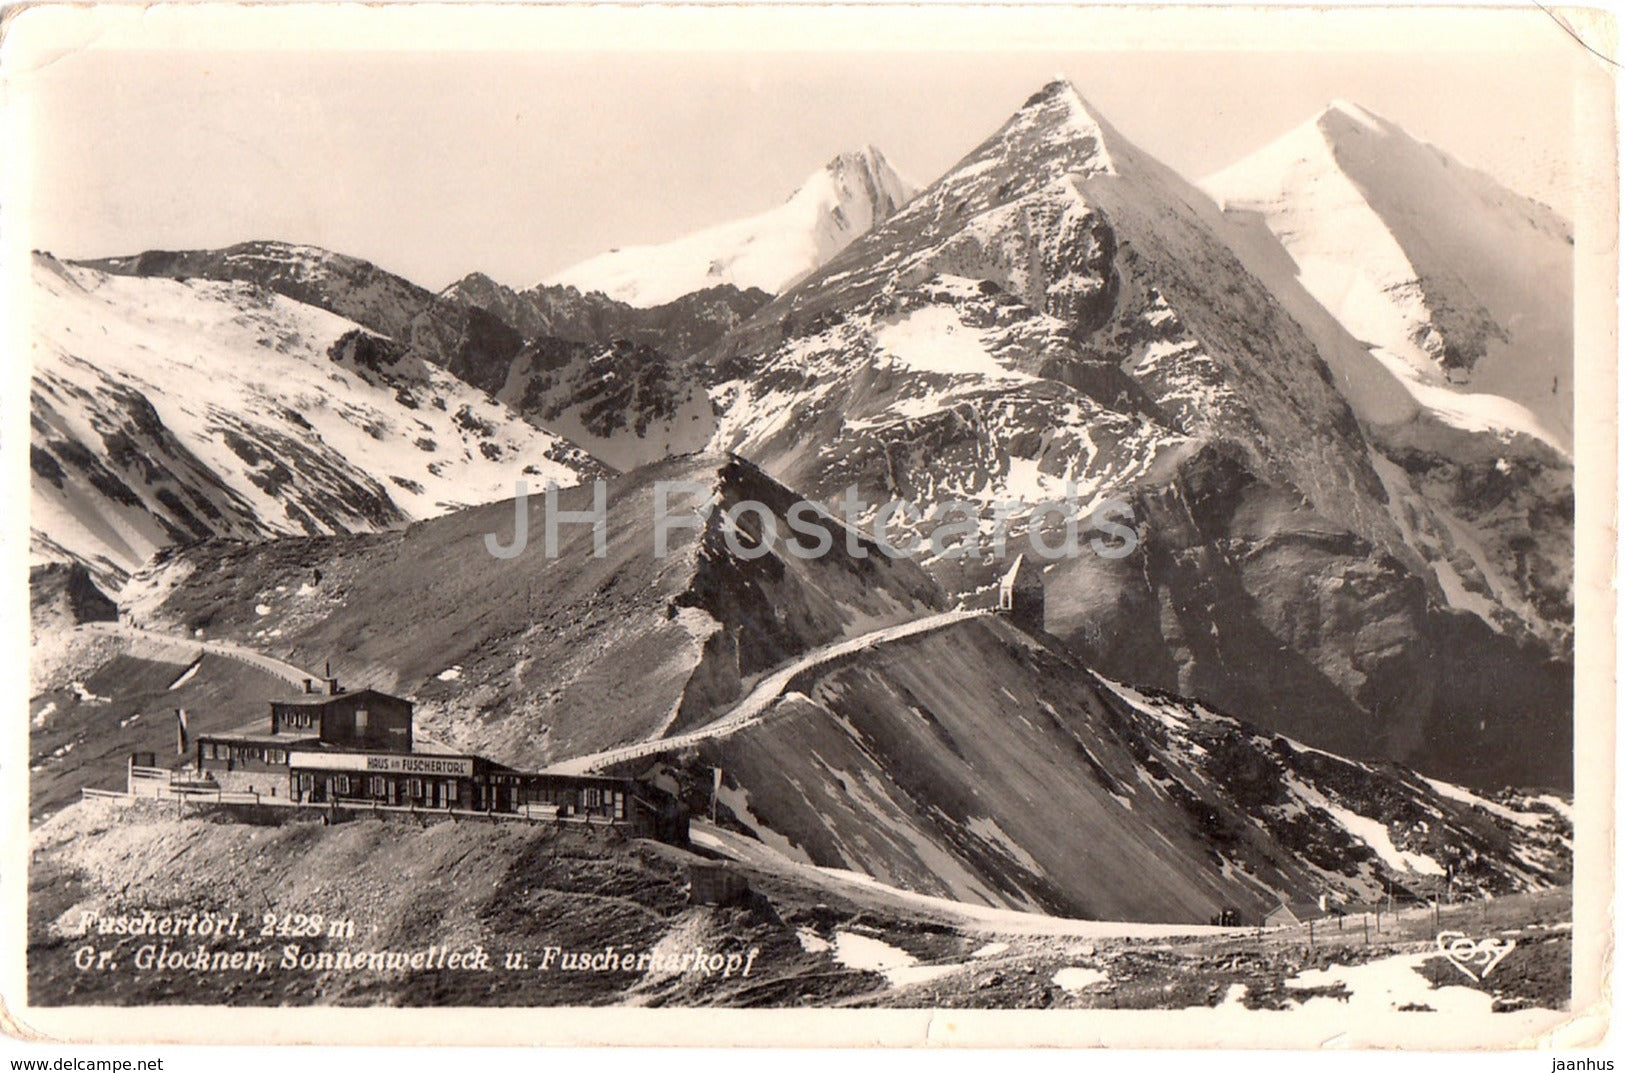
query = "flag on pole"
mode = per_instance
[{"x": 181, "y": 732}]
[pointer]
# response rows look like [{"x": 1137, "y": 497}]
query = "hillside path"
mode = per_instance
[
  {"x": 192, "y": 648},
  {"x": 771, "y": 686}
]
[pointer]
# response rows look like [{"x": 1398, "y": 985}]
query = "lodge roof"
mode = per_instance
[
  {"x": 322, "y": 700},
  {"x": 1299, "y": 910},
  {"x": 255, "y": 734}
]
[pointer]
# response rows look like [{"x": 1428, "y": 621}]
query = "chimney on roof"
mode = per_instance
[
  {"x": 333, "y": 687},
  {"x": 310, "y": 685}
]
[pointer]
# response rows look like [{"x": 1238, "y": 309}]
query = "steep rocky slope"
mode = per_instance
[
  {"x": 168, "y": 410},
  {"x": 1459, "y": 294},
  {"x": 987, "y": 765},
  {"x": 1060, "y": 308},
  {"x": 1241, "y": 594},
  {"x": 540, "y": 657}
]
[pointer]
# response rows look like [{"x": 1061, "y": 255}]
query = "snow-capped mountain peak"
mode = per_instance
[
  {"x": 860, "y": 177},
  {"x": 1055, "y": 132},
  {"x": 770, "y": 251},
  {"x": 1461, "y": 287},
  {"x": 1065, "y": 117},
  {"x": 1349, "y": 109}
]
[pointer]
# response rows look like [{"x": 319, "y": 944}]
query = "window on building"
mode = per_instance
[
  {"x": 343, "y": 784},
  {"x": 276, "y": 756},
  {"x": 377, "y": 787}
]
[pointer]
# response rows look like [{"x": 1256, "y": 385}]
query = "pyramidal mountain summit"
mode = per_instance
[
  {"x": 1460, "y": 288},
  {"x": 1060, "y": 309},
  {"x": 768, "y": 251}
]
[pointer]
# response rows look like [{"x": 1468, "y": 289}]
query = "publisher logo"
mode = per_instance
[{"x": 1476, "y": 958}]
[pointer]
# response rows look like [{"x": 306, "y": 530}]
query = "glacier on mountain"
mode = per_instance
[{"x": 769, "y": 251}]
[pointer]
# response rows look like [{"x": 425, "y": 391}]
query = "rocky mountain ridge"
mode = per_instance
[{"x": 1061, "y": 310}]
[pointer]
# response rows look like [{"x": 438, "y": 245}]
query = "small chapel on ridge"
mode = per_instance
[{"x": 1021, "y": 594}]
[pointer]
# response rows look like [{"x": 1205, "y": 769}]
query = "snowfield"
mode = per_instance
[
  {"x": 218, "y": 409},
  {"x": 1392, "y": 984},
  {"x": 1461, "y": 287},
  {"x": 934, "y": 340},
  {"x": 769, "y": 251}
]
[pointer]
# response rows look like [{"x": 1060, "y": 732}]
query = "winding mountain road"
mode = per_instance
[
  {"x": 190, "y": 649},
  {"x": 749, "y": 711}
]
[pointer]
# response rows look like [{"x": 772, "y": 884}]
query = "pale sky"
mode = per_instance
[{"x": 522, "y": 161}]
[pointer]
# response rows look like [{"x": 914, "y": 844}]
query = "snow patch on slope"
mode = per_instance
[
  {"x": 933, "y": 339},
  {"x": 217, "y": 409},
  {"x": 1373, "y": 833}
]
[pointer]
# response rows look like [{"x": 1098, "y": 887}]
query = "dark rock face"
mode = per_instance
[
  {"x": 364, "y": 350},
  {"x": 65, "y": 591},
  {"x": 680, "y": 327},
  {"x": 1241, "y": 596},
  {"x": 1520, "y": 508},
  {"x": 609, "y": 375}
]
